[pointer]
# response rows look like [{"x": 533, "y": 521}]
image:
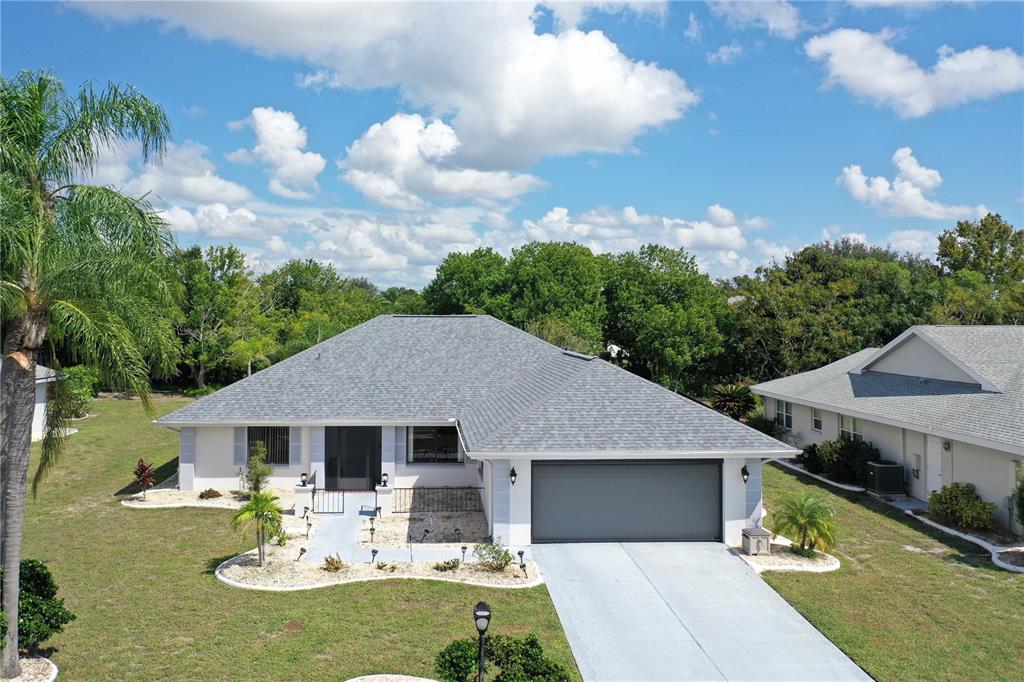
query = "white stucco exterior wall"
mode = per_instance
[
  {"x": 39, "y": 413},
  {"x": 215, "y": 466},
  {"x": 991, "y": 472},
  {"x": 915, "y": 358},
  {"x": 521, "y": 506},
  {"x": 431, "y": 475},
  {"x": 734, "y": 502}
]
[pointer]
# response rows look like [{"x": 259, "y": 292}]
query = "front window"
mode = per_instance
[
  {"x": 433, "y": 444},
  {"x": 274, "y": 438},
  {"x": 784, "y": 413},
  {"x": 850, "y": 427},
  {"x": 816, "y": 419}
]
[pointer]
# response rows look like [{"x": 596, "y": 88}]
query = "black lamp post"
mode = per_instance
[
  {"x": 745, "y": 473},
  {"x": 482, "y": 618},
  {"x": 512, "y": 475}
]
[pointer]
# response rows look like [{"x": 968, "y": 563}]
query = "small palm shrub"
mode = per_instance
[
  {"x": 259, "y": 471},
  {"x": 445, "y": 566},
  {"x": 735, "y": 400},
  {"x": 846, "y": 460},
  {"x": 209, "y": 494},
  {"x": 960, "y": 505},
  {"x": 492, "y": 556},
  {"x": 144, "y": 474},
  {"x": 333, "y": 564},
  {"x": 261, "y": 513},
  {"x": 41, "y": 614},
  {"x": 807, "y": 520}
]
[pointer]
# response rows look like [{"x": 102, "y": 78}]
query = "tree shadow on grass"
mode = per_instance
[
  {"x": 160, "y": 474},
  {"x": 213, "y": 562}
]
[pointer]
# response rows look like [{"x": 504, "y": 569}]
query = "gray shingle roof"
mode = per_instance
[
  {"x": 509, "y": 391},
  {"x": 991, "y": 418}
]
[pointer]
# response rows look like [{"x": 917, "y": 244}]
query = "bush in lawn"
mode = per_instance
[
  {"x": 960, "y": 505},
  {"x": 80, "y": 383},
  {"x": 200, "y": 392},
  {"x": 143, "y": 476},
  {"x": 259, "y": 471},
  {"x": 846, "y": 460},
  {"x": 806, "y": 520},
  {"x": 457, "y": 662},
  {"x": 810, "y": 458},
  {"x": 41, "y": 614},
  {"x": 492, "y": 556},
  {"x": 445, "y": 566},
  {"x": 522, "y": 659}
]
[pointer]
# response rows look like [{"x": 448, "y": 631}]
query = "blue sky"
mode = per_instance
[{"x": 381, "y": 137}]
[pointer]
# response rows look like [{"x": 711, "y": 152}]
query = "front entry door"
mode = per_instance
[
  {"x": 933, "y": 463},
  {"x": 352, "y": 457}
]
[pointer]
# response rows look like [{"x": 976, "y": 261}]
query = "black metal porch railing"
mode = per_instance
[
  {"x": 328, "y": 501},
  {"x": 407, "y": 500}
]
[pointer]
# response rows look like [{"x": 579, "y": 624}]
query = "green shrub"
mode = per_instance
[
  {"x": 281, "y": 537},
  {"x": 846, "y": 460},
  {"x": 259, "y": 471},
  {"x": 333, "y": 564},
  {"x": 960, "y": 505},
  {"x": 810, "y": 458},
  {"x": 209, "y": 494},
  {"x": 41, "y": 614},
  {"x": 80, "y": 384},
  {"x": 1018, "y": 501},
  {"x": 457, "y": 662},
  {"x": 806, "y": 520},
  {"x": 200, "y": 392},
  {"x": 523, "y": 660},
  {"x": 735, "y": 400},
  {"x": 492, "y": 556},
  {"x": 764, "y": 425},
  {"x": 445, "y": 566},
  {"x": 386, "y": 567}
]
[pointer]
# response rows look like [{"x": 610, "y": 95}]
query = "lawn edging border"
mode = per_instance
[
  {"x": 538, "y": 579},
  {"x": 1005, "y": 565},
  {"x": 994, "y": 550},
  {"x": 800, "y": 470}
]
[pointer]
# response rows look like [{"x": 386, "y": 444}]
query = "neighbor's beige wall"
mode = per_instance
[
  {"x": 917, "y": 359},
  {"x": 991, "y": 472}
]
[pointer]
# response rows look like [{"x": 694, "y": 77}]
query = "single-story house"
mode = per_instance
[
  {"x": 945, "y": 401},
  {"x": 44, "y": 377},
  {"x": 555, "y": 445}
]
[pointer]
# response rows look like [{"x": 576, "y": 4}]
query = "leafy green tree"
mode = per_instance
[
  {"x": 807, "y": 520},
  {"x": 558, "y": 280},
  {"x": 288, "y": 283},
  {"x": 262, "y": 514},
  {"x": 84, "y": 269},
  {"x": 475, "y": 282},
  {"x": 41, "y": 613},
  {"x": 559, "y": 333},
  {"x": 663, "y": 313},
  {"x": 405, "y": 301},
  {"x": 323, "y": 315},
  {"x": 990, "y": 246},
  {"x": 220, "y": 299},
  {"x": 258, "y": 472}
]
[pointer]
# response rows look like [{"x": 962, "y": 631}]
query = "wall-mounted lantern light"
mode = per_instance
[
  {"x": 384, "y": 480},
  {"x": 745, "y": 473},
  {"x": 303, "y": 479},
  {"x": 512, "y": 475}
]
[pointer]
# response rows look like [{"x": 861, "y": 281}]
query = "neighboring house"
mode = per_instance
[
  {"x": 44, "y": 377},
  {"x": 945, "y": 401},
  {"x": 561, "y": 446}
]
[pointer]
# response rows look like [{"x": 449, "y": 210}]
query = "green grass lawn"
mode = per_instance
[
  {"x": 149, "y": 607},
  {"x": 908, "y": 603}
]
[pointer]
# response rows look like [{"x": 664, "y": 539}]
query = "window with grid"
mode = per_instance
[
  {"x": 274, "y": 438},
  {"x": 850, "y": 427},
  {"x": 433, "y": 444},
  {"x": 816, "y": 419},
  {"x": 784, "y": 413}
]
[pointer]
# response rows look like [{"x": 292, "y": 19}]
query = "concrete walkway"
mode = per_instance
[
  {"x": 339, "y": 534},
  {"x": 680, "y": 611}
]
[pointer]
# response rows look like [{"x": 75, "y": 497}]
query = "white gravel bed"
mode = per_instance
[
  {"x": 285, "y": 570},
  {"x": 394, "y": 530},
  {"x": 35, "y": 669},
  {"x": 782, "y": 559},
  {"x": 157, "y": 498}
]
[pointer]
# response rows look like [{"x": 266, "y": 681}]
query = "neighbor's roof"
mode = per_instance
[
  {"x": 45, "y": 375},
  {"x": 993, "y": 418},
  {"x": 509, "y": 391}
]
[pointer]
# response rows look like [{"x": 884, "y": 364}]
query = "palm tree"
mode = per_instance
[
  {"x": 83, "y": 269},
  {"x": 806, "y": 519},
  {"x": 735, "y": 400},
  {"x": 261, "y": 512}
]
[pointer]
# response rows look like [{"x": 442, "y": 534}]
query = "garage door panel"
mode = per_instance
[{"x": 593, "y": 501}]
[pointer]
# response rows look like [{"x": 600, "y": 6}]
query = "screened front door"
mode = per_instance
[{"x": 352, "y": 457}]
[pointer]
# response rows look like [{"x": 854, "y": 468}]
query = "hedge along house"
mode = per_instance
[
  {"x": 947, "y": 402},
  {"x": 556, "y": 446}
]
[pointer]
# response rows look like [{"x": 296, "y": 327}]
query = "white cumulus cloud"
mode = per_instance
[
  {"x": 405, "y": 161},
  {"x": 775, "y": 16},
  {"x": 866, "y": 65},
  {"x": 280, "y": 146},
  {"x": 726, "y": 54},
  {"x": 907, "y": 194}
]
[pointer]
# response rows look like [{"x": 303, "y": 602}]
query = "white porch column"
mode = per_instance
[
  {"x": 317, "y": 454},
  {"x": 501, "y": 501},
  {"x": 388, "y": 441},
  {"x": 187, "y": 458}
]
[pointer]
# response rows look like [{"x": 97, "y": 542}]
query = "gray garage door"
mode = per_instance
[{"x": 606, "y": 501}]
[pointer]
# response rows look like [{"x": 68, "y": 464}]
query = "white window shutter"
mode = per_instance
[{"x": 240, "y": 447}]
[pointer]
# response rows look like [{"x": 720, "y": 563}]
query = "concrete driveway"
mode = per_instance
[{"x": 680, "y": 611}]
